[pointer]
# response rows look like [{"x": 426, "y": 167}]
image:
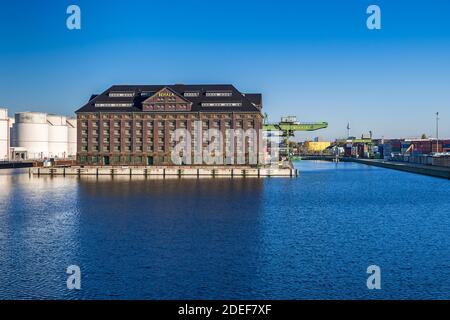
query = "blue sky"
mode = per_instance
[{"x": 313, "y": 59}]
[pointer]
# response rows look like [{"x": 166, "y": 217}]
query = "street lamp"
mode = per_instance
[{"x": 437, "y": 132}]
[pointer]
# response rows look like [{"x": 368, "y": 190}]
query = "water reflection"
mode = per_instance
[{"x": 248, "y": 238}]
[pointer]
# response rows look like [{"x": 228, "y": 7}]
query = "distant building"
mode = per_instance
[
  {"x": 316, "y": 146},
  {"x": 133, "y": 124}
]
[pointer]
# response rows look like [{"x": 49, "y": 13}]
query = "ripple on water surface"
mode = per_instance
[{"x": 305, "y": 238}]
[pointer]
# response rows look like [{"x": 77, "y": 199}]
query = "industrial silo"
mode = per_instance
[
  {"x": 72, "y": 137},
  {"x": 4, "y": 134},
  {"x": 30, "y": 132},
  {"x": 57, "y": 136}
]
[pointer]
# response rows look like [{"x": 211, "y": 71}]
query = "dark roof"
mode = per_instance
[
  {"x": 249, "y": 102},
  {"x": 255, "y": 98}
]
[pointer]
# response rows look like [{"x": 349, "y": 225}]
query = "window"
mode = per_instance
[
  {"x": 121, "y": 94},
  {"x": 221, "y": 104},
  {"x": 218, "y": 93},
  {"x": 191, "y": 94},
  {"x": 123, "y": 104}
]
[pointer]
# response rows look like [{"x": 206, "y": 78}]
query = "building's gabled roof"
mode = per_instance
[{"x": 129, "y": 98}]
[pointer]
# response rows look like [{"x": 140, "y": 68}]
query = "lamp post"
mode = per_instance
[{"x": 437, "y": 132}]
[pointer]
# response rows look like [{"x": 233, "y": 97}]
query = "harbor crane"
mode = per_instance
[{"x": 289, "y": 125}]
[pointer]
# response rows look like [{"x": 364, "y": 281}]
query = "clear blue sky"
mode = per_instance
[{"x": 313, "y": 59}]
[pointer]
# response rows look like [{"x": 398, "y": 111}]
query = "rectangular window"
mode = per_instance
[
  {"x": 191, "y": 94},
  {"x": 221, "y": 104},
  {"x": 121, "y": 94},
  {"x": 218, "y": 93},
  {"x": 115, "y": 105}
]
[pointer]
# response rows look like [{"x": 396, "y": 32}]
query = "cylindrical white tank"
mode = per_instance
[
  {"x": 57, "y": 136},
  {"x": 11, "y": 134},
  {"x": 30, "y": 131},
  {"x": 4, "y": 134},
  {"x": 72, "y": 137}
]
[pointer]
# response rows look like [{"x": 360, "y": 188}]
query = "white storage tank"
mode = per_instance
[
  {"x": 30, "y": 132},
  {"x": 72, "y": 137},
  {"x": 57, "y": 136},
  {"x": 4, "y": 134}
]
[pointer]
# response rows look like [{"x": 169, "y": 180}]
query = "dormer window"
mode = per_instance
[
  {"x": 113, "y": 105},
  {"x": 191, "y": 94},
  {"x": 121, "y": 94},
  {"x": 218, "y": 93},
  {"x": 221, "y": 104}
]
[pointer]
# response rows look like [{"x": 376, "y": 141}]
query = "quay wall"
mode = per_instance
[
  {"x": 428, "y": 170},
  {"x": 164, "y": 171}
]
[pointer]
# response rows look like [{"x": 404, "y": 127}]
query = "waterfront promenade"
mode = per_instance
[{"x": 435, "y": 171}]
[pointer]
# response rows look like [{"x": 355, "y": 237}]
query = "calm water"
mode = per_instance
[{"x": 305, "y": 238}]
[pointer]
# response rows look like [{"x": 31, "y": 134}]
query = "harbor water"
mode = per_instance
[{"x": 311, "y": 237}]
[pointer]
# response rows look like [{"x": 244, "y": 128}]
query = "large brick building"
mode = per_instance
[{"x": 133, "y": 124}]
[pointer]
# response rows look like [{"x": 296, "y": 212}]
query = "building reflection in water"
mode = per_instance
[{"x": 181, "y": 238}]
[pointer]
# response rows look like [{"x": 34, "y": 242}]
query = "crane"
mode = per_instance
[{"x": 289, "y": 125}]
